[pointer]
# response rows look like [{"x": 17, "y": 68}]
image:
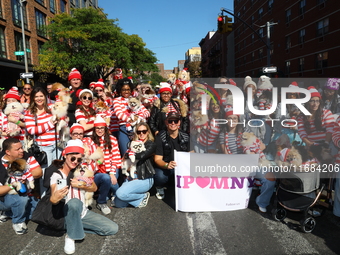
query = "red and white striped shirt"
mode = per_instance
[
  {"x": 88, "y": 120},
  {"x": 209, "y": 135},
  {"x": 336, "y": 138},
  {"x": 327, "y": 120},
  {"x": 43, "y": 130},
  {"x": 120, "y": 109},
  {"x": 114, "y": 126},
  {"x": 112, "y": 159}
]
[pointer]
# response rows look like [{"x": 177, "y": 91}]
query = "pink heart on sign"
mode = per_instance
[{"x": 202, "y": 181}]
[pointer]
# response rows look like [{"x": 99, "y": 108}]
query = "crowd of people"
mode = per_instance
[{"x": 102, "y": 141}]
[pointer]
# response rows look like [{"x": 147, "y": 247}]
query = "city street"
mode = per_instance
[{"x": 158, "y": 229}]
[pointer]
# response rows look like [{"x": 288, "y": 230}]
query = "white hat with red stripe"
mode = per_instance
[
  {"x": 293, "y": 85},
  {"x": 165, "y": 87},
  {"x": 76, "y": 125},
  {"x": 99, "y": 122},
  {"x": 85, "y": 91},
  {"x": 99, "y": 84},
  {"x": 74, "y": 146},
  {"x": 283, "y": 154}
]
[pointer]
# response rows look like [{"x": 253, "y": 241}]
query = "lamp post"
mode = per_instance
[{"x": 23, "y": 36}]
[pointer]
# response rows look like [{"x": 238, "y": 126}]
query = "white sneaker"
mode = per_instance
[
  {"x": 69, "y": 247},
  {"x": 262, "y": 209},
  {"x": 160, "y": 193},
  {"x": 18, "y": 228},
  {"x": 145, "y": 200},
  {"x": 3, "y": 216},
  {"x": 104, "y": 208}
]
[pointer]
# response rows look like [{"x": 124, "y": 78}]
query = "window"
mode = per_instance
[
  {"x": 321, "y": 60},
  {"x": 302, "y": 33},
  {"x": 270, "y": 5},
  {"x": 322, "y": 27},
  {"x": 52, "y": 6},
  {"x": 40, "y": 19},
  {"x": 252, "y": 19},
  {"x": 20, "y": 47},
  {"x": 16, "y": 13},
  {"x": 260, "y": 53},
  {"x": 261, "y": 32},
  {"x": 76, "y": 3},
  {"x": 287, "y": 67},
  {"x": 260, "y": 13},
  {"x": 62, "y": 6},
  {"x": 252, "y": 38},
  {"x": 288, "y": 42},
  {"x": 84, "y": 3},
  {"x": 302, "y": 6},
  {"x": 40, "y": 2},
  {"x": 2, "y": 43},
  {"x": 252, "y": 56},
  {"x": 40, "y": 46},
  {"x": 288, "y": 15},
  {"x": 301, "y": 64},
  {"x": 1, "y": 16}
]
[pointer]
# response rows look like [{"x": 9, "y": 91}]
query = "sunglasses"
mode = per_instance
[
  {"x": 100, "y": 128},
  {"x": 74, "y": 159},
  {"x": 85, "y": 98},
  {"x": 142, "y": 131},
  {"x": 27, "y": 88},
  {"x": 173, "y": 121},
  {"x": 99, "y": 90}
]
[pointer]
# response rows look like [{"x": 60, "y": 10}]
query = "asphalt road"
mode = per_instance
[{"x": 158, "y": 229}]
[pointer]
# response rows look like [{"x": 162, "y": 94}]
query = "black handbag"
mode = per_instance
[
  {"x": 39, "y": 155},
  {"x": 48, "y": 214}
]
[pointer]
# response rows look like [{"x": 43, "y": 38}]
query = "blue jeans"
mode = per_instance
[
  {"x": 114, "y": 188},
  {"x": 16, "y": 205},
  {"x": 267, "y": 190},
  {"x": 51, "y": 155},
  {"x": 31, "y": 205},
  {"x": 132, "y": 192},
  {"x": 123, "y": 139},
  {"x": 103, "y": 182},
  {"x": 336, "y": 207},
  {"x": 162, "y": 176},
  {"x": 93, "y": 223}
]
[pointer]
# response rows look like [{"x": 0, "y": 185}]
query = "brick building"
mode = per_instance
[
  {"x": 36, "y": 14},
  {"x": 304, "y": 42}
]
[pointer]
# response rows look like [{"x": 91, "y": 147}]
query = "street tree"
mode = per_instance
[{"x": 89, "y": 41}]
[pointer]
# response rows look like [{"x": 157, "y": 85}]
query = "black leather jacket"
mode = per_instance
[
  {"x": 145, "y": 161},
  {"x": 157, "y": 118}
]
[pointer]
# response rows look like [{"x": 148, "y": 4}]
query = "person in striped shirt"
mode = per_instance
[
  {"x": 18, "y": 207},
  {"x": 336, "y": 141},
  {"x": 106, "y": 169},
  {"x": 38, "y": 120},
  {"x": 120, "y": 110},
  {"x": 85, "y": 114},
  {"x": 317, "y": 127}
]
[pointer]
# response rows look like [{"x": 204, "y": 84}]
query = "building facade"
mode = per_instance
[
  {"x": 36, "y": 14},
  {"x": 302, "y": 39}
]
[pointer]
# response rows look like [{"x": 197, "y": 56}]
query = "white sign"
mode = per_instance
[
  {"x": 207, "y": 193},
  {"x": 26, "y": 75},
  {"x": 270, "y": 69}
]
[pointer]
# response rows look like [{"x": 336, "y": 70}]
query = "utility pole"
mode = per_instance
[
  {"x": 23, "y": 36},
  {"x": 268, "y": 25}
]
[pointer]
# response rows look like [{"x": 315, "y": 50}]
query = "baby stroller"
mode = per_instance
[{"x": 298, "y": 192}]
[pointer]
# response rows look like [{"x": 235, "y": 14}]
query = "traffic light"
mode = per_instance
[
  {"x": 220, "y": 24},
  {"x": 228, "y": 25}
]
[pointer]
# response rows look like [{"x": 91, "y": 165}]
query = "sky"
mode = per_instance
[{"x": 169, "y": 28}]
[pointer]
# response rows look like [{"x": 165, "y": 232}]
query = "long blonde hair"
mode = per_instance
[{"x": 135, "y": 136}]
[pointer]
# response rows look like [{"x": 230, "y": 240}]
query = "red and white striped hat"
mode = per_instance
[
  {"x": 99, "y": 84},
  {"x": 99, "y": 122},
  {"x": 13, "y": 93},
  {"x": 76, "y": 125},
  {"x": 165, "y": 87},
  {"x": 74, "y": 146},
  {"x": 293, "y": 85},
  {"x": 74, "y": 74},
  {"x": 314, "y": 92}
]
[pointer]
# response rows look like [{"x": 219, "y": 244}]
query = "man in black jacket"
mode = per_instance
[{"x": 166, "y": 143}]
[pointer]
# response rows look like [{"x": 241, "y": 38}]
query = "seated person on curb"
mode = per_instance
[
  {"x": 78, "y": 219},
  {"x": 166, "y": 143},
  {"x": 18, "y": 207}
]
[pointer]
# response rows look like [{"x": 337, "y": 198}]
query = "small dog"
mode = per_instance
[
  {"x": 134, "y": 107},
  {"x": 83, "y": 174},
  {"x": 103, "y": 111},
  {"x": 251, "y": 145},
  {"x": 129, "y": 164},
  {"x": 17, "y": 172},
  {"x": 15, "y": 110}
]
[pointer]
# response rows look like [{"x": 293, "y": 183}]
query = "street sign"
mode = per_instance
[
  {"x": 19, "y": 53},
  {"x": 26, "y": 75},
  {"x": 269, "y": 69},
  {"x": 28, "y": 50}
]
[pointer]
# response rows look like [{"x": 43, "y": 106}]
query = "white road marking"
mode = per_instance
[{"x": 203, "y": 233}]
